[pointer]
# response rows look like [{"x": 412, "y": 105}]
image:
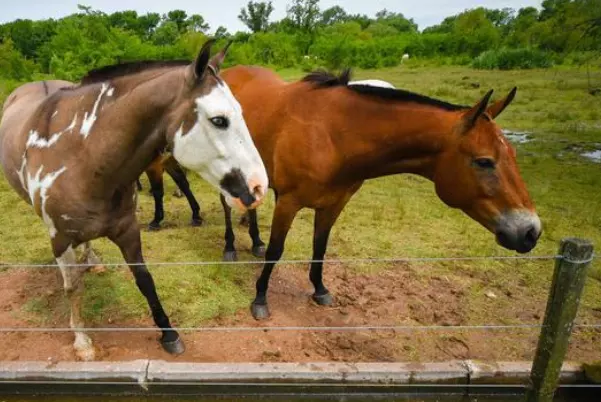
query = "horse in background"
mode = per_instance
[
  {"x": 320, "y": 138},
  {"x": 74, "y": 155}
]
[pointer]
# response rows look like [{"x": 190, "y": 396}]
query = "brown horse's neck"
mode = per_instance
[
  {"x": 390, "y": 137},
  {"x": 139, "y": 129}
]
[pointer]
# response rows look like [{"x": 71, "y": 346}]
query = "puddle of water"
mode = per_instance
[
  {"x": 518, "y": 137},
  {"x": 594, "y": 156}
]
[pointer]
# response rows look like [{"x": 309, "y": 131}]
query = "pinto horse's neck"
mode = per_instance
[
  {"x": 137, "y": 120},
  {"x": 392, "y": 136}
]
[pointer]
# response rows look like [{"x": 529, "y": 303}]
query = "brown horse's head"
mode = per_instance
[{"x": 477, "y": 172}]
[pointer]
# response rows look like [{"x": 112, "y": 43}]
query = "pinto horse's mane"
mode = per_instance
[
  {"x": 123, "y": 69},
  {"x": 326, "y": 79}
]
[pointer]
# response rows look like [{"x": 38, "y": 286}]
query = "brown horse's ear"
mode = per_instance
[
  {"x": 471, "y": 116},
  {"x": 496, "y": 108},
  {"x": 202, "y": 60},
  {"x": 219, "y": 57}
]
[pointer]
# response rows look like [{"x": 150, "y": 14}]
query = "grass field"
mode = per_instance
[{"x": 390, "y": 217}]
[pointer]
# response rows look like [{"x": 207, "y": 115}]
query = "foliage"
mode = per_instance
[
  {"x": 509, "y": 59},
  {"x": 13, "y": 65},
  {"x": 256, "y": 15}
]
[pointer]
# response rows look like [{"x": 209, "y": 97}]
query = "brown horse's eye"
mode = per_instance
[
  {"x": 220, "y": 122},
  {"x": 484, "y": 163}
]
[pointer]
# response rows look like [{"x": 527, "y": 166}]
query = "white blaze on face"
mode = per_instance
[
  {"x": 214, "y": 152},
  {"x": 88, "y": 120},
  {"x": 43, "y": 183}
]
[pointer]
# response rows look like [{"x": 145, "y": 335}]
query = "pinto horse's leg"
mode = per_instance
[
  {"x": 90, "y": 256},
  {"x": 155, "y": 177},
  {"x": 179, "y": 177},
  {"x": 128, "y": 240},
  {"x": 285, "y": 211},
  {"x": 258, "y": 247},
  {"x": 74, "y": 287},
  {"x": 229, "y": 251}
]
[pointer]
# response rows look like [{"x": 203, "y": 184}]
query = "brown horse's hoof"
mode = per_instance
[
  {"x": 259, "y": 311},
  {"x": 196, "y": 222},
  {"x": 259, "y": 251},
  {"x": 154, "y": 226},
  {"x": 175, "y": 347},
  {"x": 229, "y": 256},
  {"x": 323, "y": 300}
]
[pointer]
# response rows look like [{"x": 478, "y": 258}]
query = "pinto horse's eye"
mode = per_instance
[
  {"x": 220, "y": 122},
  {"x": 484, "y": 163}
]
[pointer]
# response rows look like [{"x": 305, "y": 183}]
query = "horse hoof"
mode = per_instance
[
  {"x": 153, "y": 226},
  {"x": 259, "y": 251},
  {"x": 230, "y": 256},
  {"x": 259, "y": 311},
  {"x": 177, "y": 193},
  {"x": 323, "y": 300},
  {"x": 196, "y": 222},
  {"x": 175, "y": 347}
]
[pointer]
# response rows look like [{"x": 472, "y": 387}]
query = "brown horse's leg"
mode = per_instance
[
  {"x": 128, "y": 240},
  {"x": 229, "y": 251},
  {"x": 179, "y": 177},
  {"x": 258, "y": 247},
  {"x": 285, "y": 211},
  {"x": 155, "y": 177},
  {"x": 74, "y": 287},
  {"x": 324, "y": 220}
]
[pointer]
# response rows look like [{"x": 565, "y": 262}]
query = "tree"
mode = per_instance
[
  {"x": 179, "y": 18},
  {"x": 256, "y": 15},
  {"x": 197, "y": 23},
  {"x": 333, "y": 15},
  {"x": 304, "y": 14},
  {"x": 396, "y": 20},
  {"x": 222, "y": 32}
]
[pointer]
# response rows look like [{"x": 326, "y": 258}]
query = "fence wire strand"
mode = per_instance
[{"x": 303, "y": 261}]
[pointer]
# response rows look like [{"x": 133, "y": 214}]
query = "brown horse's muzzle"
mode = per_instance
[{"x": 518, "y": 230}]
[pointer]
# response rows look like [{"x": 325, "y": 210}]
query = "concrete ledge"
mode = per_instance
[{"x": 159, "y": 377}]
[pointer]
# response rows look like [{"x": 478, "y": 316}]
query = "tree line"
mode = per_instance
[{"x": 562, "y": 31}]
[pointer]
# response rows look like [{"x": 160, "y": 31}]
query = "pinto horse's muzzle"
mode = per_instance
[
  {"x": 242, "y": 193},
  {"x": 518, "y": 230}
]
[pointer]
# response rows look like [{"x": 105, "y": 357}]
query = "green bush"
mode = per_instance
[
  {"x": 508, "y": 59},
  {"x": 13, "y": 65}
]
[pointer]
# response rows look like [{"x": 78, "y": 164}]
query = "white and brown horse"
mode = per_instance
[{"x": 75, "y": 153}]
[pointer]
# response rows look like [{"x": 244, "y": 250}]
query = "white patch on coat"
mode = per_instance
[
  {"x": 21, "y": 171},
  {"x": 88, "y": 120},
  {"x": 213, "y": 152},
  {"x": 66, "y": 217},
  {"x": 373, "y": 83},
  {"x": 35, "y": 141},
  {"x": 43, "y": 184},
  {"x": 54, "y": 114}
]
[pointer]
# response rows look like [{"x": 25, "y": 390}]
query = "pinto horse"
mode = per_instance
[
  {"x": 321, "y": 138},
  {"x": 74, "y": 155}
]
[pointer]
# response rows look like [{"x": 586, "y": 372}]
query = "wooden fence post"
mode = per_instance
[{"x": 566, "y": 288}]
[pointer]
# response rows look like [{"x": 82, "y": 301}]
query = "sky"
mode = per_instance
[{"x": 225, "y": 12}]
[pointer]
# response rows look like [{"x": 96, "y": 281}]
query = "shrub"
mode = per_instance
[{"x": 509, "y": 59}]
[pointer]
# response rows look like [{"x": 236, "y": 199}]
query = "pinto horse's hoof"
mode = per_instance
[
  {"x": 175, "y": 347},
  {"x": 230, "y": 256},
  {"x": 259, "y": 311},
  {"x": 154, "y": 226},
  {"x": 196, "y": 222},
  {"x": 258, "y": 251},
  {"x": 323, "y": 300}
]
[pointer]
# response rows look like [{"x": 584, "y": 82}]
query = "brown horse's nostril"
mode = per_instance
[{"x": 531, "y": 237}]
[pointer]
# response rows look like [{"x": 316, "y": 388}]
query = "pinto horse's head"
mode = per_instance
[
  {"x": 477, "y": 172},
  {"x": 211, "y": 137}
]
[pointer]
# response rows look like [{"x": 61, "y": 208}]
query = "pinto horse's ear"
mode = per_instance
[
  {"x": 202, "y": 60},
  {"x": 219, "y": 57},
  {"x": 471, "y": 116},
  {"x": 496, "y": 108}
]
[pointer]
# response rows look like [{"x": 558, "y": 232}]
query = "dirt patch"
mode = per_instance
[{"x": 398, "y": 296}]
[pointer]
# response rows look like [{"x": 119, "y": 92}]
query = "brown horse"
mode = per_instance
[
  {"x": 321, "y": 138},
  {"x": 74, "y": 155}
]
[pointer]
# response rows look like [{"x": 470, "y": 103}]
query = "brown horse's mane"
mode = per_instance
[{"x": 324, "y": 79}]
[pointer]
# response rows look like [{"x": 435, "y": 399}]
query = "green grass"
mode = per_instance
[{"x": 389, "y": 217}]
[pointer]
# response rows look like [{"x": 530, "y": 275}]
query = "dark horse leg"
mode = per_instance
[
  {"x": 285, "y": 211},
  {"x": 127, "y": 237},
  {"x": 229, "y": 251},
  {"x": 179, "y": 177},
  {"x": 155, "y": 177}
]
